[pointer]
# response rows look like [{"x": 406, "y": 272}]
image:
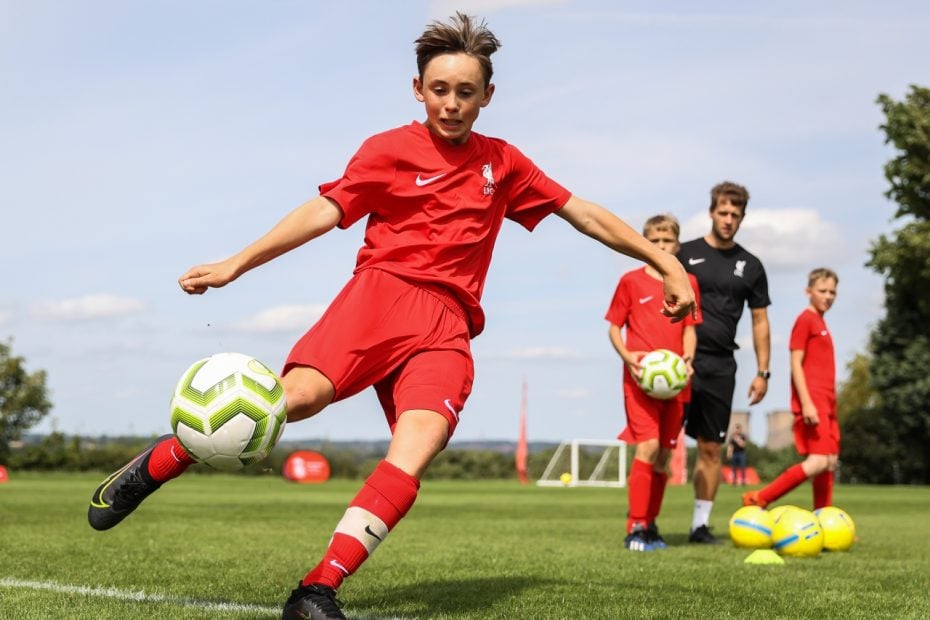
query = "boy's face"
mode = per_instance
[
  {"x": 822, "y": 294},
  {"x": 665, "y": 240},
  {"x": 453, "y": 91},
  {"x": 725, "y": 219}
]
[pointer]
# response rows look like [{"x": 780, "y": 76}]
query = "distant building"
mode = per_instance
[{"x": 780, "y": 433}]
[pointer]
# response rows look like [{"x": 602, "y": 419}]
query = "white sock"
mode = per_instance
[{"x": 702, "y": 508}]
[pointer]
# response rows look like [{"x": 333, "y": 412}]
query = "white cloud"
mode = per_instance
[
  {"x": 88, "y": 308},
  {"x": 791, "y": 237},
  {"x": 281, "y": 319}
]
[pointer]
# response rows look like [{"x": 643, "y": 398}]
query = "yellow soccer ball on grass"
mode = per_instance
[
  {"x": 839, "y": 531},
  {"x": 797, "y": 533},
  {"x": 566, "y": 478},
  {"x": 751, "y": 528}
]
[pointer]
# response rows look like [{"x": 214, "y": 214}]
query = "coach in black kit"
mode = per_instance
[{"x": 729, "y": 278}]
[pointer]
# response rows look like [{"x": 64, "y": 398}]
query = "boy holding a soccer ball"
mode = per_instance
[
  {"x": 652, "y": 424},
  {"x": 813, "y": 399},
  {"x": 434, "y": 195}
]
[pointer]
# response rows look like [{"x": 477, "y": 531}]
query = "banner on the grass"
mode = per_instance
[
  {"x": 3, "y": 475},
  {"x": 306, "y": 466}
]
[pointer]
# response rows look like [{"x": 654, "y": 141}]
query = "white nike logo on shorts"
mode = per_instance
[{"x": 448, "y": 403}]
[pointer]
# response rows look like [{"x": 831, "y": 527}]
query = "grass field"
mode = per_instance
[{"x": 233, "y": 547}]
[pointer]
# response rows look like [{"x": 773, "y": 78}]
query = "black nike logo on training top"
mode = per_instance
[{"x": 368, "y": 531}]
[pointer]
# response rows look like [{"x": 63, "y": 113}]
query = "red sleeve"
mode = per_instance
[
  {"x": 371, "y": 170},
  {"x": 533, "y": 195},
  {"x": 619, "y": 308},
  {"x": 800, "y": 333}
]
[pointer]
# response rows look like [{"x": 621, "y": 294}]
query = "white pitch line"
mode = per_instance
[{"x": 140, "y": 596}]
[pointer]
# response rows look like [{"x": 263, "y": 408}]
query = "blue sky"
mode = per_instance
[{"x": 138, "y": 139}]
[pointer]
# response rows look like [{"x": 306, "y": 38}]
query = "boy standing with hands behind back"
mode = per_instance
[
  {"x": 652, "y": 424},
  {"x": 813, "y": 399}
]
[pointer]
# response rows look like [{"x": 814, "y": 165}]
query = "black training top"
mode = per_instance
[{"x": 727, "y": 279}]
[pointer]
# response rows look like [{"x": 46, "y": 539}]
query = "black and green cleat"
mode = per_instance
[
  {"x": 123, "y": 491},
  {"x": 313, "y": 602}
]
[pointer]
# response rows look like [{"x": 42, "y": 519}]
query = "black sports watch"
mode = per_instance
[{"x": 764, "y": 374}]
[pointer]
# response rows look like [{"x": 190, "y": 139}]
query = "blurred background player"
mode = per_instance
[
  {"x": 652, "y": 424},
  {"x": 813, "y": 399},
  {"x": 729, "y": 278},
  {"x": 435, "y": 195},
  {"x": 736, "y": 454}
]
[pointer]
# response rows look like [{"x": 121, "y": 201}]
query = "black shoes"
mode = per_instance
[
  {"x": 653, "y": 536},
  {"x": 123, "y": 491},
  {"x": 313, "y": 602},
  {"x": 703, "y": 536}
]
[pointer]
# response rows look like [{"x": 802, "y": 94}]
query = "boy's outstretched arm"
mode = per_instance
[
  {"x": 599, "y": 223},
  {"x": 306, "y": 222}
]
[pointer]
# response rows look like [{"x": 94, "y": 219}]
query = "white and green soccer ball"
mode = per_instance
[
  {"x": 228, "y": 411},
  {"x": 664, "y": 375}
]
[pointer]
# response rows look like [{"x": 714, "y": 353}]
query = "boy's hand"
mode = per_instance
[
  {"x": 679, "y": 298},
  {"x": 632, "y": 363},
  {"x": 809, "y": 414},
  {"x": 198, "y": 279}
]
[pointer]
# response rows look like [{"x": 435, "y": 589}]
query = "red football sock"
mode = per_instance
[
  {"x": 384, "y": 499},
  {"x": 659, "y": 480},
  {"x": 823, "y": 489},
  {"x": 168, "y": 460},
  {"x": 639, "y": 485},
  {"x": 788, "y": 480}
]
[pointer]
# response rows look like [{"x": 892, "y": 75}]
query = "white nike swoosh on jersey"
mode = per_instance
[
  {"x": 643, "y": 300},
  {"x": 421, "y": 182},
  {"x": 824, "y": 333},
  {"x": 696, "y": 261}
]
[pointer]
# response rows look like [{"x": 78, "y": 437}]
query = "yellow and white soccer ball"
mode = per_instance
[
  {"x": 839, "y": 531},
  {"x": 778, "y": 511},
  {"x": 797, "y": 533},
  {"x": 228, "y": 410},
  {"x": 751, "y": 528},
  {"x": 664, "y": 374}
]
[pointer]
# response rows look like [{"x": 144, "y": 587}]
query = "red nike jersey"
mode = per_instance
[
  {"x": 435, "y": 209},
  {"x": 810, "y": 334},
  {"x": 637, "y": 303}
]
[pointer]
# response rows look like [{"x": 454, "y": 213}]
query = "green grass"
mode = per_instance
[{"x": 466, "y": 550}]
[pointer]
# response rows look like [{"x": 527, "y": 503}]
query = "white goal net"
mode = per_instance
[{"x": 576, "y": 458}]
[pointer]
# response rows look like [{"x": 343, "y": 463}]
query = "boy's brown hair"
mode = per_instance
[
  {"x": 821, "y": 273},
  {"x": 737, "y": 195},
  {"x": 462, "y": 34},
  {"x": 662, "y": 222}
]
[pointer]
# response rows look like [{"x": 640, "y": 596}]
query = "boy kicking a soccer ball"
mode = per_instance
[
  {"x": 652, "y": 424},
  {"x": 813, "y": 399},
  {"x": 435, "y": 195}
]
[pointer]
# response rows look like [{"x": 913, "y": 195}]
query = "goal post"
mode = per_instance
[{"x": 601, "y": 475}]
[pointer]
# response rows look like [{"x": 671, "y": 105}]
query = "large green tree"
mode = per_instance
[
  {"x": 900, "y": 342},
  {"x": 23, "y": 399}
]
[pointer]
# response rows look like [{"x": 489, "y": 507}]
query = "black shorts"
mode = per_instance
[{"x": 708, "y": 414}]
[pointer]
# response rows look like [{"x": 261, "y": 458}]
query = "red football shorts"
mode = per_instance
[
  {"x": 650, "y": 418},
  {"x": 409, "y": 341},
  {"x": 822, "y": 438}
]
